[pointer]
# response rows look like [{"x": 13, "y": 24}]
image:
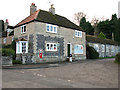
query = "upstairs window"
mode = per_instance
[
  {"x": 51, "y": 28},
  {"x": 51, "y": 47},
  {"x": 78, "y": 33},
  {"x": 23, "y": 29}
]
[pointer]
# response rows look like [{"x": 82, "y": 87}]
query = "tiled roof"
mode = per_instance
[
  {"x": 47, "y": 17},
  {"x": 94, "y": 39},
  {"x": 29, "y": 18}
]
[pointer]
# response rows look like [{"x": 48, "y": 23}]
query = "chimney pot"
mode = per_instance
[{"x": 7, "y": 21}]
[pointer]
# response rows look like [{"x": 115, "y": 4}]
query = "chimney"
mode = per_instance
[
  {"x": 33, "y": 8},
  {"x": 6, "y": 24},
  {"x": 52, "y": 9}
]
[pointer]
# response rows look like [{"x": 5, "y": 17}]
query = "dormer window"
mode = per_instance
[
  {"x": 51, "y": 28},
  {"x": 23, "y": 29},
  {"x": 78, "y": 33}
]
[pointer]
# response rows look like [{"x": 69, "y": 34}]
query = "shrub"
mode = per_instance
[
  {"x": 16, "y": 62},
  {"x": 117, "y": 58},
  {"x": 92, "y": 53},
  {"x": 8, "y": 52}
]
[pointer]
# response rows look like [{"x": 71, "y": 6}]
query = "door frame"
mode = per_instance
[{"x": 70, "y": 48}]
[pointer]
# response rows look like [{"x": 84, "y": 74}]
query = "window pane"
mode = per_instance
[
  {"x": 24, "y": 28},
  {"x": 47, "y": 27},
  {"x": 55, "y": 29},
  {"x": 51, "y": 28}
]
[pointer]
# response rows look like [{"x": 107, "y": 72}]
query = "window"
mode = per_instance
[
  {"x": 96, "y": 47},
  {"x": 4, "y": 40},
  {"x": 78, "y": 49},
  {"x": 78, "y": 33},
  {"x": 22, "y": 47},
  {"x": 23, "y": 29},
  {"x": 51, "y": 47},
  {"x": 51, "y": 28}
]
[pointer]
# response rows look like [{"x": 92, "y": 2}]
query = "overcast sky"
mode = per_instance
[{"x": 17, "y": 10}]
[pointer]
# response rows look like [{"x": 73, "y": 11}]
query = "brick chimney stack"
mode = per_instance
[
  {"x": 33, "y": 8},
  {"x": 52, "y": 9}
]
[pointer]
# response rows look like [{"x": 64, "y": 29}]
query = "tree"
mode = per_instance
[
  {"x": 86, "y": 26},
  {"x": 78, "y": 16},
  {"x": 102, "y": 35},
  {"x": 95, "y": 22},
  {"x": 105, "y": 27}
]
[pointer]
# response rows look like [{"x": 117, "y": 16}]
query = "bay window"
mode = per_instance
[{"x": 22, "y": 47}]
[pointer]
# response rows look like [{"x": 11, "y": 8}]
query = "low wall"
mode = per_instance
[{"x": 7, "y": 61}]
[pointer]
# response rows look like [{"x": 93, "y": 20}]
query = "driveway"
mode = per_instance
[{"x": 87, "y": 74}]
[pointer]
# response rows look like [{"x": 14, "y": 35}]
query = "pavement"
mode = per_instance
[{"x": 41, "y": 65}]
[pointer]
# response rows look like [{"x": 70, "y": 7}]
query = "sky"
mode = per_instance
[{"x": 17, "y": 10}]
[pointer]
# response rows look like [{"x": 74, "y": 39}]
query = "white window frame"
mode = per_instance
[
  {"x": 19, "y": 47},
  {"x": 78, "y": 33},
  {"x": 79, "y": 46},
  {"x": 23, "y": 31},
  {"x": 53, "y": 44},
  {"x": 54, "y": 28},
  {"x": 4, "y": 40}
]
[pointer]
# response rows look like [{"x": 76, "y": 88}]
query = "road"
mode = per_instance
[{"x": 87, "y": 74}]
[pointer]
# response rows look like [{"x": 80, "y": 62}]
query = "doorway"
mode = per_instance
[{"x": 69, "y": 49}]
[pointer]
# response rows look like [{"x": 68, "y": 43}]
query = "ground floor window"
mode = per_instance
[
  {"x": 51, "y": 47},
  {"x": 78, "y": 49},
  {"x": 22, "y": 47}
]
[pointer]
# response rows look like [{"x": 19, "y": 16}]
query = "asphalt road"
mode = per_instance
[{"x": 87, "y": 74}]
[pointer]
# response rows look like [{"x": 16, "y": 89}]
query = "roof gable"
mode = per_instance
[{"x": 29, "y": 18}]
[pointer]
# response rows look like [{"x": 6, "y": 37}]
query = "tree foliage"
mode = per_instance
[
  {"x": 110, "y": 26},
  {"x": 86, "y": 26},
  {"x": 102, "y": 35}
]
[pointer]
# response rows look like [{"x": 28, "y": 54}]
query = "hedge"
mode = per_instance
[
  {"x": 92, "y": 53},
  {"x": 7, "y": 52},
  {"x": 117, "y": 58},
  {"x": 16, "y": 62}
]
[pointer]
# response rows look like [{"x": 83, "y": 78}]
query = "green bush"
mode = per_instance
[
  {"x": 117, "y": 58},
  {"x": 7, "y": 52},
  {"x": 16, "y": 62},
  {"x": 92, "y": 53}
]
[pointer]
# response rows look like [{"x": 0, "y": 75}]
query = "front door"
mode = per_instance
[{"x": 68, "y": 49}]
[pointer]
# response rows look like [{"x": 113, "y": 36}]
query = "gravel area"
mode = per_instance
[{"x": 91, "y": 74}]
